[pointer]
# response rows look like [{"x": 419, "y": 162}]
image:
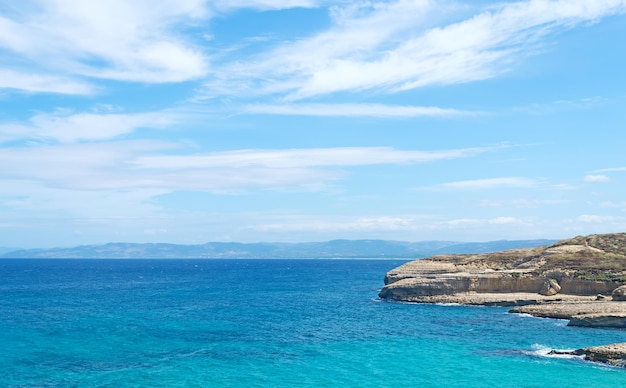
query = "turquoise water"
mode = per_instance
[{"x": 277, "y": 323}]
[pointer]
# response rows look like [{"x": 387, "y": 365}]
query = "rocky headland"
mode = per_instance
[{"x": 582, "y": 279}]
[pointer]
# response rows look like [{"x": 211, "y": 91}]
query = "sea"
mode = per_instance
[{"x": 266, "y": 323}]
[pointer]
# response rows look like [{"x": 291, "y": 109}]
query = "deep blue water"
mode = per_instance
[{"x": 258, "y": 323}]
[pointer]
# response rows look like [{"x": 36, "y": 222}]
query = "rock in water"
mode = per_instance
[
  {"x": 614, "y": 354},
  {"x": 619, "y": 294},
  {"x": 550, "y": 287}
]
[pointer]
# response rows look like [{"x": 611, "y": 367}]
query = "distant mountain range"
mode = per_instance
[
  {"x": 4, "y": 250},
  {"x": 329, "y": 249}
]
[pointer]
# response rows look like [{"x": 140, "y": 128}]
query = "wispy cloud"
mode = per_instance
[
  {"x": 121, "y": 40},
  {"x": 101, "y": 186},
  {"x": 522, "y": 203},
  {"x": 613, "y": 204},
  {"x": 352, "y": 110},
  {"x": 68, "y": 127},
  {"x": 395, "y": 46},
  {"x": 596, "y": 179},
  {"x": 612, "y": 169},
  {"x": 385, "y": 47},
  {"x": 46, "y": 45},
  {"x": 601, "y": 219},
  {"x": 329, "y": 224},
  {"x": 130, "y": 165},
  {"x": 407, "y": 225},
  {"x": 546, "y": 108},
  {"x": 95, "y": 166},
  {"x": 263, "y": 4},
  {"x": 311, "y": 157},
  {"x": 43, "y": 83},
  {"x": 490, "y": 183}
]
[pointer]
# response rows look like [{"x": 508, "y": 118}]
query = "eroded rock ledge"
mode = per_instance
[
  {"x": 571, "y": 270},
  {"x": 614, "y": 354},
  {"x": 581, "y": 279},
  {"x": 576, "y": 279}
]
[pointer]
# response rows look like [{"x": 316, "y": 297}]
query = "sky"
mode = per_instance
[{"x": 189, "y": 121}]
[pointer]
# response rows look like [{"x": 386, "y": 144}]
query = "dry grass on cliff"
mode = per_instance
[
  {"x": 601, "y": 257},
  {"x": 505, "y": 260},
  {"x": 594, "y": 257}
]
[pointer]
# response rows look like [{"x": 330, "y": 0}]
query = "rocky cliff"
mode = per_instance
[
  {"x": 571, "y": 279},
  {"x": 581, "y": 266}
]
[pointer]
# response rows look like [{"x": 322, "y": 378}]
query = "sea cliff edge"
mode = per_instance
[{"x": 582, "y": 279}]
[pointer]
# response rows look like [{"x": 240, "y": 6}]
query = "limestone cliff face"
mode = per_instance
[{"x": 581, "y": 266}]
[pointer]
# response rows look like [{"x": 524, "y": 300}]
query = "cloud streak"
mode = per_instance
[
  {"x": 43, "y": 83},
  {"x": 596, "y": 179},
  {"x": 130, "y": 165},
  {"x": 120, "y": 40},
  {"x": 353, "y": 110},
  {"x": 302, "y": 158},
  {"x": 612, "y": 169},
  {"x": 225, "y": 5},
  {"x": 392, "y": 47},
  {"x": 407, "y": 225},
  {"x": 490, "y": 183},
  {"x": 385, "y": 47},
  {"x": 68, "y": 127}
]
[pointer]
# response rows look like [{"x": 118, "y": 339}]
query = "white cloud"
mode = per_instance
[
  {"x": 130, "y": 165},
  {"x": 397, "y": 45},
  {"x": 596, "y": 179},
  {"x": 36, "y": 200},
  {"x": 383, "y": 46},
  {"x": 613, "y": 169},
  {"x": 302, "y": 158},
  {"x": 326, "y": 224},
  {"x": 503, "y": 220},
  {"x": 72, "y": 127},
  {"x": 116, "y": 39},
  {"x": 469, "y": 223},
  {"x": 477, "y": 229},
  {"x": 95, "y": 166},
  {"x": 89, "y": 187},
  {"x": 546, "y": 108},
  {"x": 410, "y": 227},
  {"x": 43, "y": 83},
  {"x": 459, "y": 223},
  {"x": 405, "y": 222},
  {"x": 599, "y": 219},
  {"x": 613, "y": 204},
  {"x": 491, "y": 183},
  {"x": 263, "y": 4},
  {"x": 352, "y": 110},
  {"x": 523, "y": 203}
]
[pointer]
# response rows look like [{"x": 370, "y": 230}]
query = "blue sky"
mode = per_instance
[{"x": 187, "y": 121}]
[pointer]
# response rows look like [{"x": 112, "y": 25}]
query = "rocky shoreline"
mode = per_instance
[{"x": 582, "y": 280}]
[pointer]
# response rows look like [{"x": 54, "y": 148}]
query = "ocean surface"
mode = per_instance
[{"x": 266, "y": 323}]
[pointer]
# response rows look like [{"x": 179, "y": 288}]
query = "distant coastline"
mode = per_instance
[{"x": 339, "y": 249}]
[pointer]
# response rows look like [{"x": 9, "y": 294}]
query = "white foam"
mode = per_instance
[
  {"x": 546, "y": 352},
  {"x": 521, "y": 315}
]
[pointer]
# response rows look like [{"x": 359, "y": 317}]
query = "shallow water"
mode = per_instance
[{"x": 265, "y": 323}]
